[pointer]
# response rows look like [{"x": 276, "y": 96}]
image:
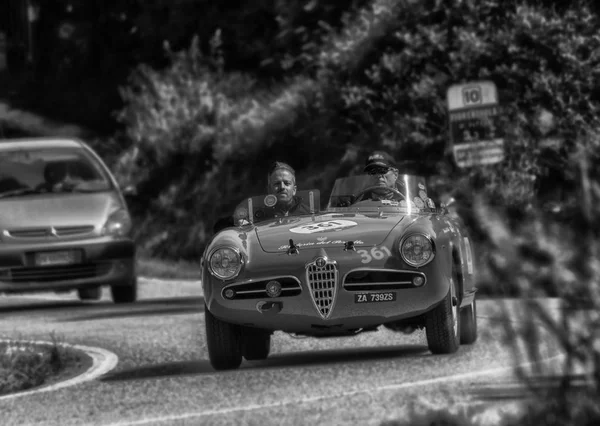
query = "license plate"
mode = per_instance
[
  {"x": 388, "y": 296},
  {"x": 52, "y": 258}
]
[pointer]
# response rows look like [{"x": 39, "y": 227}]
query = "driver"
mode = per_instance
[
  {"x": 382, "y": 166},
  {"x": 55, "y": 173}
]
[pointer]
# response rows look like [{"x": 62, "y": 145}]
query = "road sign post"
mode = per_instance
[{"x": 475, "y": 136}]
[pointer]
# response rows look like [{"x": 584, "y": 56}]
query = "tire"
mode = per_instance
[
  {"x": 468, "y": 324},
  {"x": 89, "y": 293},
  {"x": 442, "y": 325},
  {"x": 256, "y": 344},
  {"x": 224, "y": 342},
  {"x": 124, "y": 293}
]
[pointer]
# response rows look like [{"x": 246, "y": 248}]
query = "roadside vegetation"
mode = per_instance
[
  {"x": 209, "y": 104},
  {"x": 150, "y": 267},
  {"x": 25, "y": 365}
]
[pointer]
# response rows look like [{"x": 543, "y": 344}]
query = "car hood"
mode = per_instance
[
  {"x": 71, "y": 209},
  {"x": 328, "y": 230}
]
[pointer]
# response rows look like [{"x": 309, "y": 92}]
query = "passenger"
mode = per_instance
[{"x": 281, "y": 182}]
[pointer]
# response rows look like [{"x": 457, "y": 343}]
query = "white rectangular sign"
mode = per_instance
[
  {"x": 469, "y": 95},
  {"x": 475, "y": 136}
]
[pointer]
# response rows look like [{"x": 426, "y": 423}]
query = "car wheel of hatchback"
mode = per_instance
[
  {"x": 124, "y": 293},
  {"x": 90, "y": 293},
  {"x": 224, "y": 342},
  {"x": 257, "y": 344},
  {"x": 443, "y": 324},
  {"x": 468, "y": 324}
]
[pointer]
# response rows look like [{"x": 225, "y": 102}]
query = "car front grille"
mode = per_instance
[
  {"x": 384, "y": 279},
  {"x": 41, "y": 232},
  {"x": 322, "y": 283},
  {"x": 55, "y": 273}
]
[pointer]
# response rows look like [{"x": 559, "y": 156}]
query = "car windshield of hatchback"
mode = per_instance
[
  {"x": 32, "y": 171},
  {"x": 364, "y": 192}
]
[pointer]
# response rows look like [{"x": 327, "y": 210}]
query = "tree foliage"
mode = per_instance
[{"x": 355, "y": 78}]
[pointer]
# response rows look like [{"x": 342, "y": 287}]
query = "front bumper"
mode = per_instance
[
  {"x": 297, "y": 312},
  {"x": 103, "y": 261}
]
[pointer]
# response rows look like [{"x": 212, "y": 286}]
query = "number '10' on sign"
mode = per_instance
[{"x": 471, "y": 95}]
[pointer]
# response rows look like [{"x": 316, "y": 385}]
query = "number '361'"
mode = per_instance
[{"x": 376, "y": 253}]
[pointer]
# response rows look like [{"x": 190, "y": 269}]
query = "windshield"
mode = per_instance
[
  {"x": 365, "y": 192},
  {"x": 28, "y": 171}
]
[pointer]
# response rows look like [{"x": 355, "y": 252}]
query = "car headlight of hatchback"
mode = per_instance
[
  {"x": 118, "y": 224},
  {"x": 225, "y": 263},
  {"x": 417, "y": 250}
]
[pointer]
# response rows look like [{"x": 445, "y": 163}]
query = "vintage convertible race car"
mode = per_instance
[{"x": 359, "y": 263}]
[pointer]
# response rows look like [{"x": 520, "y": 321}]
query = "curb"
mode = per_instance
[{"x": 103, "y": 361}]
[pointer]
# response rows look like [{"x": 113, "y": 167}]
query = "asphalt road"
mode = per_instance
[{"x": 163, "y": 375}]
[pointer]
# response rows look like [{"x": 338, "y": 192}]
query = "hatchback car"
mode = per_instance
[{"x": 64, "y": 222}]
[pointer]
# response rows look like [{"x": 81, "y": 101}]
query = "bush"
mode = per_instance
[
  {"x": 201, "y": 127},
  {"x": 24, "y": 366},
  {"x": 377, "y": 82}
]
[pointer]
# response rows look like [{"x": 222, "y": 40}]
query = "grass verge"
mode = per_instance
[{"x": 26, "y": 365}]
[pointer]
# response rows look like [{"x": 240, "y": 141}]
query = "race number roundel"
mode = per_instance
[
  {"x": 270, "y": 200},
  {"x": 329, "y": 225}
]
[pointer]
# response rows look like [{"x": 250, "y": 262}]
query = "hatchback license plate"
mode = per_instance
[
  {"x": 388, "y": 296},
  {"x": 52, "y": 258}
]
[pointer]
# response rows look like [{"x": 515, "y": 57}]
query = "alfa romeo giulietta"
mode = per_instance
[{"x": 359, "y": 263}]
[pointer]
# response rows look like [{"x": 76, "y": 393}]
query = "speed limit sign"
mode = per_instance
[
  {"x": 476, "y": 135},
  {"x": 467, "y": 95}
]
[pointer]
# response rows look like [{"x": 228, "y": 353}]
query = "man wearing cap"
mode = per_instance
[{"x": 382, "y": 166}]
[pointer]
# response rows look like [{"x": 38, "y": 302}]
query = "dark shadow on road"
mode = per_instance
[
  {"x": 544, "y": 387},
  {"x": 276, "y": 361},
  {"x": 74, "y": 310},
  {"x": 147, "y": 307}
]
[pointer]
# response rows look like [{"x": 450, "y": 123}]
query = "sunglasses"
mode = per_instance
[{"x": 377, "y": 171}]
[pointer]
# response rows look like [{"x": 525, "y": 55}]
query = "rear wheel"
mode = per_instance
[
  {"x": 468, "y": 324},
  {"x": 89, "y": 293},
  {"x": 224, "y": 342},
  {"x": 443, "y": 324},
  {"x": 124, "y": 293},
  {"x": 256, "y": 344}
]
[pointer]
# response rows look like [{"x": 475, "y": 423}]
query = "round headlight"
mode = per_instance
[
  {"x": 417, "y": 250},
  {"x": 225, "y": 263}
]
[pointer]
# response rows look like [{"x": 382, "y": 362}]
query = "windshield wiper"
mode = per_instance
[{"x": 18, "y": 192}]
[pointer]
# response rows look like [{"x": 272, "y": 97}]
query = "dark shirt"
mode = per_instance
[
  {"x": 265, "y": 213},
  {"x": 297, "y": 208},
  {"x": 384, "y": 193}
]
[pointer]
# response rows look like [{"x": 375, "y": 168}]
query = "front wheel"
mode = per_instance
[
  {"x": 468, "y": 324},
  {"x": 443, "y": 325},
  {"x": 124, "y": 293},
  {"x": 224, "y": 342}
]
